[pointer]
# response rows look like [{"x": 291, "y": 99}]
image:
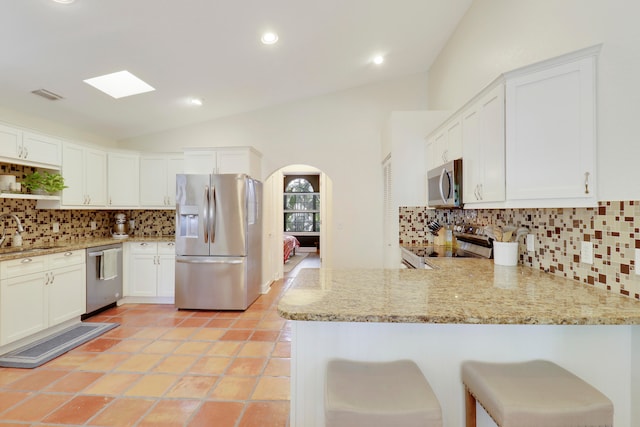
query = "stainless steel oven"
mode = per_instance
[
  {"x": 444, "y": 185},
  {"x": 103, "y": 291},
  {"x": 470, "y": 242}
]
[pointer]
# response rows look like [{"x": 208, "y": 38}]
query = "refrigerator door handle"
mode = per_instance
[
  {"x": 206, "y": 213},
  {"x": 209, "y": 260},
  {"x": 213, "y": 213}
]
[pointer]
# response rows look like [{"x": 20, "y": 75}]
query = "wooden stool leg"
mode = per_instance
[{"x": 470, "y": 408}]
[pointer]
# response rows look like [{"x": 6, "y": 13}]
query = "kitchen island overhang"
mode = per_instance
[{"x": 444, "y": 316}]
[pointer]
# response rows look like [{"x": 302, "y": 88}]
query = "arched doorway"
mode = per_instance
[{"x": 275, "y": 218}]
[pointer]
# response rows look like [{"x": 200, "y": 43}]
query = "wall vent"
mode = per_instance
[{"x": 47, "y": 94}]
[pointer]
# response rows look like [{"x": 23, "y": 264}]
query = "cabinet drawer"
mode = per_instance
[
  {"x": 22, "y": 266},
  {"x": 62, "y": 259},
  {"x": 166, "y": 248},
  {"x": 144, "y": 248}
]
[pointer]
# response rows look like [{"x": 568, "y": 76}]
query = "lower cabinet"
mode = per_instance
[
  {"x": 40, "y": 292},
  {"x": 151, "y": 269}
]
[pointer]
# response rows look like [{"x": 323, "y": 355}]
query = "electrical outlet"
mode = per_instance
[
  {"x": 586, "y": 253},
  {"x": 531, "y": 242},
  {"x": 93, "y": 225},
  {"x": 55, "y": 227}
]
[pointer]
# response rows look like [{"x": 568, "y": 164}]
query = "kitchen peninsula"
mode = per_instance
[{"x": 462, "y": 309}]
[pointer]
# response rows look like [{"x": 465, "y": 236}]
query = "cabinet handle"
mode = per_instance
[
  {"x": 26, "y": 152},
  {"x": 68, "y": 253},
  {"x": 26, "y": 260},
  {"x": 171, "y": 244},
  {"x": 480, "y": 188},
  {"x": 53, "y": 278},
  {"x": 144, "y": 244},
  {"x": 586, "y": 183},
  {"x": 110, "y": 202}
]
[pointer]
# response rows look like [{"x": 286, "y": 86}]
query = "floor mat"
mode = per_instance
[
  {"x": 293, "y": 261},
  {"x": 48, "y": 348}
]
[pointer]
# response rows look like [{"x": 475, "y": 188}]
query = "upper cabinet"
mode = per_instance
[
  {"x": 123, "y": 180},
  {"x": 223, "y": 160},
  {"x": 445, "y": 144},
  {"x": 483, "y": 147},
  {"x": 158, "y": 179},
  {"x": 85, "y": 174},
  {"x": 29, "y": 148},
  {"x": 529, "y": 138},
  {"x": 550, "y": 132}
]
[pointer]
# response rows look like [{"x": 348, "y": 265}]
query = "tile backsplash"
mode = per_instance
[
  {"x": 613, "y": 228},
  {"x": 76, "y": 224}
]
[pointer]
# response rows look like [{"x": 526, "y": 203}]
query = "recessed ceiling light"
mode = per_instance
[
  {"x": 269, "y": 38},
  {"x": 196, "y": 102},
  {"x": 64, "y": 1},
  {"x": 120, "y": 84},
  {"x": 379, "y": 59}
]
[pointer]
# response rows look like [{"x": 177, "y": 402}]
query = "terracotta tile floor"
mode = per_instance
[{"x": 163, "y": 367}]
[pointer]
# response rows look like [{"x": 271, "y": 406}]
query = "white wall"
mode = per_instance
[
  {"x": 499, "y": 35},
  {"x": 338, "y": 133}
]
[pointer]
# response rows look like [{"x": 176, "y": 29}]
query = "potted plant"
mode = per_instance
[{"x": 44, "y": 182}]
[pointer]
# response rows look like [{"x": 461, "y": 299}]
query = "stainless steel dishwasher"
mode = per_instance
[{"x": 102, "y": 293}]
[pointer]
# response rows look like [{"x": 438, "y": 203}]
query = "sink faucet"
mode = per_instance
[{"x": 14, "y": 216}]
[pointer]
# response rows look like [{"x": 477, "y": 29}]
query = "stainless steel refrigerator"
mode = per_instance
[{"x": 218, "y": 241}]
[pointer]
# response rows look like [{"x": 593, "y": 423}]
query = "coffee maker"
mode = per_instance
[{"x": 120, "y": 227}]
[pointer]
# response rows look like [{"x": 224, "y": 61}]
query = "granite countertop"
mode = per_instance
[
  {"x": 465, "y": 291},
  {"x": 26, "y": 251}
]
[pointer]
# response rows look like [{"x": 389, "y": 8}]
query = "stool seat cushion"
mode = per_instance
[
  {"x": 536, "y": 393},
  {"x": 379, "y": 394}
]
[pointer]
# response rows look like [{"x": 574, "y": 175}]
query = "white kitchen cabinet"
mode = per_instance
[
  {"x": 445, "y": 144},
  {"x": 151, "y": 269},
  {"x": 550, "y": 132},
  {"x": 158, "y": 179},
  {"x": 123, "y": 180},
  {"x": 85, "y": 172},
  {"x": 483, "y": 144},
  {"x": 223, "y": 160},
  {"x": 40, "y": 292},
  {"x": 29, "y": 148}
]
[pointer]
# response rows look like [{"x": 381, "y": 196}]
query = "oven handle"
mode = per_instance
[
  {"x": 100, "y": 253},
  {"x": 408, "y": 264}
]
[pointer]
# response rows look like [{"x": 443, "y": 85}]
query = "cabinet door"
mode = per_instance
[
  {"x": 175, "y": 165},
  {"x": 453, "y": 147},
  {"x": 95, "y": 177},
  {"x": 23, "y": 307},
  {"x": 42, "y": 149},
  {"x": 10, "y": 142},
  {"x": 166, "y": 275},
  {"x": 551, "y": 133},
  {"x": 66, "y": 291},
  {"x": 492, "y": 146},
  {"x": 472, "y": 162},
  {"x": 73, "y": 166},
  {"x": 153, "y": 176},
  {"x": 233, "y": 161},
  {"x": 143, "y": 275},
  {"x": 123, "y": 179}
]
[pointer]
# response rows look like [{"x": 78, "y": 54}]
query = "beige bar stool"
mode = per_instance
[
  {"x": 379, "y": 394},
  {"x": 534, "y": 393}
]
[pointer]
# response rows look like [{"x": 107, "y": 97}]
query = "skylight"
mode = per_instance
[{"x": 120, "y": 84}]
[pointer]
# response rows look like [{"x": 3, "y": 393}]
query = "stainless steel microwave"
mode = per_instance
[{"x": 444, "y": 185}]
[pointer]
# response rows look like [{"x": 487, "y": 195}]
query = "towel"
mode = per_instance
[{"x": 109, "y": 264}]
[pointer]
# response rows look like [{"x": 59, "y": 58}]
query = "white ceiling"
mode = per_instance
[{"x": 209, "y": 49}]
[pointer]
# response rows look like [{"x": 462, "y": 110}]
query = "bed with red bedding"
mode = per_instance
[{"x": 290, "y": 245}]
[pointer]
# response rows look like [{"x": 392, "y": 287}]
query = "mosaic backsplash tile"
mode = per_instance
[
  {"x": 76, "y": 224},
  {"x": 613, "y": 228}
]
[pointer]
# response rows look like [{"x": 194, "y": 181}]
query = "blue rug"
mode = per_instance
[{"x": 48, "y": 348}]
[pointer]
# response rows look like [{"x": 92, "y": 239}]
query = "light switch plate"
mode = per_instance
[
  {"x": 531, "y": 242},
  {"x": 55, "y": 227},
  {"x": 586, "y": 253},
  {"x": 93, "y": 224}
]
